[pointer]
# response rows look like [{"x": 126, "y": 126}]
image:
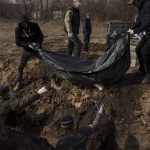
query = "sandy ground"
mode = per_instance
[{"x": 126, "y": 123}]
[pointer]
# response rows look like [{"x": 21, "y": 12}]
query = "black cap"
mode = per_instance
[
  {"x": 4, "y": 90},
  {"x": 66, "y": 120},
  {"x": 24, "y": 18}
]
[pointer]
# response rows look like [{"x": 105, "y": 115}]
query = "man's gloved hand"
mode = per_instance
[
  {"x": 137, "y": 36},
  {"x": 30, "y": 46},
  {"x": 100, "y": 87},
  {"x": 34, "y": 44},
  {"x": 131, "y": 31},
  {"x": 70, "y": 34},
  {"x": 42, "y": 90},
  {"x": 99, "y": 108}
]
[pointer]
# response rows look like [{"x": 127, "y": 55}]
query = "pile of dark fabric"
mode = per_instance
[{"x": 105, "y": 70}]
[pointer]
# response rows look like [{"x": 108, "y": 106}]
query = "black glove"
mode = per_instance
[{"x": 25, "y": 45}]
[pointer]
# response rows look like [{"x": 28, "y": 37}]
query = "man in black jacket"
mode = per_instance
[
  {"x": 8, "y": 105},
  {"x": 75, "y": 139},
  {"x": 72, "y": 25},
  {"x": 87, "y": 29},
  {"x": 27, "y": 33},
  {"x": 143, "y": 25}
]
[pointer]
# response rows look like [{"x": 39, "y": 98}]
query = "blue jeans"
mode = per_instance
[{"x": 74, "y": 46}]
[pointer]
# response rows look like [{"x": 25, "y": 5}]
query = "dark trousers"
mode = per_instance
[
  {"x": 143, "y": 54},
  {"x": 74, "y": 46},
  {"x": 26, "y": 55},
  {"x": 86, "y": 42}
]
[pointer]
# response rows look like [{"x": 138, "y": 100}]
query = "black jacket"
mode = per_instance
[
  {"x": 143, "y": 21},
  {"x": 78, "y": 138},
  {"x": 32, "y": 35},
  {"x": 9, "y": 106},
  {"x": 87, "y": 27}
]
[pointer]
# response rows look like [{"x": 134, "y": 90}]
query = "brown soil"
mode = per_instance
[{"x": 125, "y": 124}]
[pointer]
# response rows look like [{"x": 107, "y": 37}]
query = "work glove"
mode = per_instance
[
  {"x": 31, "y": 46},
  {"x": 136, "y": 36},
  {"x": 42, "y": 90},
  {"x": 131, "y": 31},
  {"x": 70, "y": 34},
  {"x": 99, "y": 108},
  {"x": 34, "y": 46},
  {"x": 100, "y": 87}
]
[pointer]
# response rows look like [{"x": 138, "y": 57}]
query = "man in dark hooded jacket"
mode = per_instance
[
  {"x": 143, "y": 25},
  {"x": 26, "y": 33},
  {"x": 75, "y": 139},
  {"x": 9, "y": 106},
  {"x": 8, "y": 133}
]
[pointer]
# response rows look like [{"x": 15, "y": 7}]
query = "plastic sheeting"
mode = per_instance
[{"x": 105, "y": 69}]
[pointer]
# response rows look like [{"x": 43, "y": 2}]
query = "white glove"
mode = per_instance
[
  {"x": 101, "y": 109},
  {"x": 131, "y": 31},
  {"x": 137, "y": 36},
  {"x": 70, "y": 34},
  {"x": 42, "y": 90},
  {"x": 30, "y": 46},
  {"x": 34, "y": 44},
  {"x": 100, "y": 87}
]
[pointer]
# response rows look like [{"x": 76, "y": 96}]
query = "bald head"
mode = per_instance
[{"x": 77, "y": 3}]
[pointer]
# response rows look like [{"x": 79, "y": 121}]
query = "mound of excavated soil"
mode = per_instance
[{"x": 125, "y": 124}]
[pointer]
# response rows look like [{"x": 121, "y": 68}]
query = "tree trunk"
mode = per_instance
[
  {"x": 41, "y": 9},
  {"x": 47, "y": 9},
  {"x": 25, "y": 6}
]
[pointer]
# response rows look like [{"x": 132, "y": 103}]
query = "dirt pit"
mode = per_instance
[{"x": 125, "y": 124}]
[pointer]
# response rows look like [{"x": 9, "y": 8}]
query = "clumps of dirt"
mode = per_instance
[
  {"x": 126, "y": 121},
  {"x": 124, "y": 107}
]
